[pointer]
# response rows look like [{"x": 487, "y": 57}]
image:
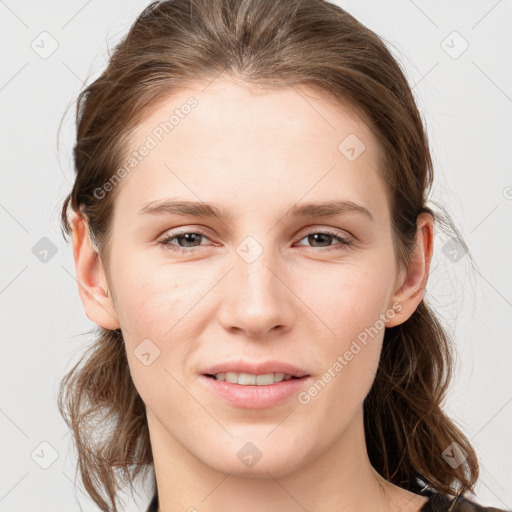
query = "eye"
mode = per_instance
[
  {"x": 188, "y": 237},
  {"x": 325, "y": 237},
  {"x": 191, "y": 239}
]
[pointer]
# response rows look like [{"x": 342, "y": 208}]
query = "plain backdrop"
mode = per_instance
[{"x": 457, "y": 57}]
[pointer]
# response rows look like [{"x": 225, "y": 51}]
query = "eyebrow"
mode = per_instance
[{"x": 201, "y": 209}]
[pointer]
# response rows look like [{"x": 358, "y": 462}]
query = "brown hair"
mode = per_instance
[{"x": 268, "y": 43}]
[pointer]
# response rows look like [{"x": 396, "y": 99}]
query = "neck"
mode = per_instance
[{"x": 337, "y": 477}]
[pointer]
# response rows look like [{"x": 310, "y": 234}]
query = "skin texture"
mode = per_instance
[{"x": 255, "y": 153}]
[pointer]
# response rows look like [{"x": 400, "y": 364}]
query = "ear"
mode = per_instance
[
  {"x": 92, "y": 283},
  {"x": 411, "y": 283}
]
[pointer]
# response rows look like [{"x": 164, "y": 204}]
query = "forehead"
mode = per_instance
[
  {"x": 227, "y": 109},
  {"x": 238, "y": 144}
]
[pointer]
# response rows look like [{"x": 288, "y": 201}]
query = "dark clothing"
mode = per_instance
[
  {"x": 153, "y": 506},
  {"x": 441, "y": 503},
  {"x": 437, "y": 503}
]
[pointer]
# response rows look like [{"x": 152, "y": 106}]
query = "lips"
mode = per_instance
[
  {"x": 255, "y": 368},
  {"x": 255, "y": 397}
]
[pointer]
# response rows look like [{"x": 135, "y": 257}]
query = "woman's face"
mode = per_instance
[{"x": 257, "y": 285}]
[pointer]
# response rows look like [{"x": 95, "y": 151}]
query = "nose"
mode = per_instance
[{"x": 257, "y": 297}]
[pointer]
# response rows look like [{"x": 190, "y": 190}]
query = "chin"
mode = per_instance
[
  {"x": 262, "y": 470},
  {"x": 244, "y": 458}
]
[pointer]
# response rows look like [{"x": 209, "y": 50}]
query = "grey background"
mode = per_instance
[{"x": 466, "y": 101}]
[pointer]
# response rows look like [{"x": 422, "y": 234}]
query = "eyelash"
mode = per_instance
[{"x": 166, "y": 242}]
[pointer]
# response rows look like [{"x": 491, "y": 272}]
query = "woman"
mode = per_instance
[{"x": 250, "y": 367}]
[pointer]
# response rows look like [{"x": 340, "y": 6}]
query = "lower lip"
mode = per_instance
[{"x": 255, "y": 397}]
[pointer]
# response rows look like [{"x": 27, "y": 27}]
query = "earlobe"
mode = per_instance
[
  {"x": 413, "y": 281},
  {"x": 92, "y": 285}
]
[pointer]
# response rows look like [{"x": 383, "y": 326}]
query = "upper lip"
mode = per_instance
[{"x": 255, "y": 368}]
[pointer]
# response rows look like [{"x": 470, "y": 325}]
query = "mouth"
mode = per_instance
[
  {"x": 253, "y": 372},
  {"x": 254, "y": 391},
  {"x": 250, "y": 379}
]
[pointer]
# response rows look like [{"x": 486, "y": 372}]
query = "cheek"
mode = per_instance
[
  {"x": 350, "y": 360},
  {"x": 347, "y": 297},
  {"x": 148, "y": 297},
  {"x": 150, "y": 308},
  {"x": 158, "y": 305},
  {"x": 352, "y": 302}
]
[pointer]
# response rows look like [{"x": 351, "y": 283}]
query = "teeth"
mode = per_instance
[{"x": 248, "y": 379}]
